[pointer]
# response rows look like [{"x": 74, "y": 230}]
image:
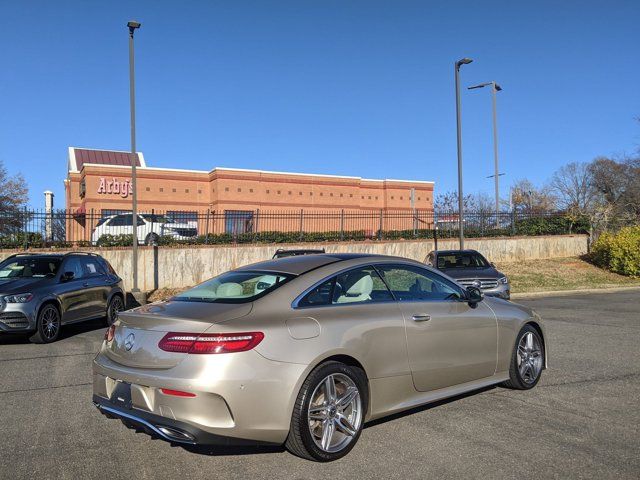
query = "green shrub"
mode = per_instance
[
  {"x": 20, "y": 240},
  {"x": 121, "y": 240},
  {"x": 619, "y": 252},
  {"x": 552, "y": 225}
]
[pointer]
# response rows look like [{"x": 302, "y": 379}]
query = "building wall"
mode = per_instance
[{"x": 106, "y": 188}]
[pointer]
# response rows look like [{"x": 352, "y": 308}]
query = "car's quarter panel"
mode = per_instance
[
  {"x": 457, "y": 345},
  {"x": 511, "y": 317}
]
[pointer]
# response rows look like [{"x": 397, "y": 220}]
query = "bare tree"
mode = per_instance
[
  {"x": 447, "y": 202},
  {"x": 572, "y": 186},
  {"x": 14, "y": 195}
]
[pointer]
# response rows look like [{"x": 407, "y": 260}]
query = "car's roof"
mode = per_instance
[{"x": 300, "y": 264}]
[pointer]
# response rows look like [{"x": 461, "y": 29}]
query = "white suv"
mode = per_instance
[{"x": 150, "y": 228}]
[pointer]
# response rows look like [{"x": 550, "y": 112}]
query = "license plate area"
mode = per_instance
[{"x": 121, "y": 395}]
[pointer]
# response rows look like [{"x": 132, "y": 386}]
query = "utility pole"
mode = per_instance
[
  {"x": 135, "y": 291},
  {"x": 463, "y": 61}
]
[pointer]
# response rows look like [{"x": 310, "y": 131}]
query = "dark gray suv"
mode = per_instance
[
  {"x": 470, "y": 269},
  {"x": 40, "y": 293}
]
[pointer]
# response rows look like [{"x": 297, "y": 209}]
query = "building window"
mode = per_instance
[
  {"x": 199, "y": 191},
  {"x": 300, "y": 193},
  {"x": 239, "y": 190},
  {"x": 186, "y": 190},
  {"x": 391, "y": 197},
  {"x": 226, "y": 189},
  {"x": 289, "y": 192},
  {"x": 279, "y": 192},
  {"x": 161, "y": 189},
  {"x": 174, "y": 190},
  {"x": 238, "y": 221},
  {"x": 268, "y": 191},
  {"x": 369, "y": 197},
  {"x": 331, "y": 194},
  {"x": 148, "y": 189},
  {"x": 351, "y": 195},
  {"x": 251, "y": 190},
  {"x": 341, "y": 195}
]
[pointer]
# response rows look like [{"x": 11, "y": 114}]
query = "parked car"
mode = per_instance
[
  {"x": 333, "y": 341},
  {"x": 470, "y": 268},
  {"x": 40, "y": 293},
  {"x": 150, "y": 228},
  {"x": 283, "y": 252}
]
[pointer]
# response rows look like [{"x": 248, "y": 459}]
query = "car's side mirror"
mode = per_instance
[
  {"x": 66, "y": 276},
  {"x": 474, "y": 295}
]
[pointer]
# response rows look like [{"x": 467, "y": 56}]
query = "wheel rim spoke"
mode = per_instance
[
  {"x": 330, "y": 389},
  {"x": 328, "y": 427},
  {"x": 344, "y": 426},
  {"x": 348, "y": 397}
]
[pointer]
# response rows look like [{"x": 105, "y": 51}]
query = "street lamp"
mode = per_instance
[
  {"x": 135, "y": 292},
  {"x": 463, "y": 61},
  {"x": 495, "y": 88}
]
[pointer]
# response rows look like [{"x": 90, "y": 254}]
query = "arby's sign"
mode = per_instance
[{"x": 115, "y": 186}]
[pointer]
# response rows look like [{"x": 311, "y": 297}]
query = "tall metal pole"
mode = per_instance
[
  {"x": 134, "y": 209},
  {"x": 496, "y": 172},
  {"x": 459, "y": 132}
]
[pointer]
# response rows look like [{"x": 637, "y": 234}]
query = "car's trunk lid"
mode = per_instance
[{"x": 139, "y": 331}]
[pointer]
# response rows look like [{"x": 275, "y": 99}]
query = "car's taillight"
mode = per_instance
[
  {"x": 210, "y": 342},
  {"x": 108, "y": 335}
]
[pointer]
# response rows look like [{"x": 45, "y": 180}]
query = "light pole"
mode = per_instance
[
  {"x": 495, "y": 88},
  {"x": 133, "y": 25},
  {"x": 463, "y": 61}
]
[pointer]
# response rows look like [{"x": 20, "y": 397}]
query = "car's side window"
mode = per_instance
[
  {"x": 409, "y": 284},
  {"x": 74, "y": 265},
  {"x": 92, "y": 267},
  {"x": 360, "y": 285}
]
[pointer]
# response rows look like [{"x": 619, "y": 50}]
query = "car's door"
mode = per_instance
[
  {"x": 356, "y": 311},
  {"x": 73, "y": 293},
  {"x": 97, "y": 284},
  {"x": 449, "y": 342}
]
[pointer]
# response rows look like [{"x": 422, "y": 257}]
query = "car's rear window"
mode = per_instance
[{"x": 235, "y": 287}]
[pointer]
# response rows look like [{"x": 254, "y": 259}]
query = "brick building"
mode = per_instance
[{"x": 98, "y": 184}]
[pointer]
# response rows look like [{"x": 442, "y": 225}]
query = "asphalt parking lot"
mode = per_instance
[{"x": 582, "y": 421}]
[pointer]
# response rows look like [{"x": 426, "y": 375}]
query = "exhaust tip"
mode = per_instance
[{"x": 176, "y": 434}]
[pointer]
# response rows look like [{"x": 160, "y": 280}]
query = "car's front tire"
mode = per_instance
[
  {"x": 329, "y": 412},
  {"x": 47, "y": 325},
  {"x": 527, "y": 360}
]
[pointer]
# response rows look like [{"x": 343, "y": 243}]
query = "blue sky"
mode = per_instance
[{"x": 360, "y": 88}]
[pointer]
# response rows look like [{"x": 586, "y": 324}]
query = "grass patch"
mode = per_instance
[{"x": 561, "y": 274}]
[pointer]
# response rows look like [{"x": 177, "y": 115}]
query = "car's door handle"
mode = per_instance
[{"x": 421, "y": 317}]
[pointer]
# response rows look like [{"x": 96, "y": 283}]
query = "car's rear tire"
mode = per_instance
[
  {"x": 116, "y": 304},
  {"x": 47, "y": 325},
  {"x": 527, "y": 360},
  {"x": 329, "y": 412}
]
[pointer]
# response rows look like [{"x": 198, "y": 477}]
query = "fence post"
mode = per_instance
[
  {"x": 153, "y": 217},
  {"x": 513, "y": 221},
  {"x": 342, "y": 225},
  {"x": 256, "y": 225},
  {"x": 25, "y": 244},
  {"x": 206, "y": 227},
  {"x": 301, "y": 223},
  {"x": 380, "y": 229}
]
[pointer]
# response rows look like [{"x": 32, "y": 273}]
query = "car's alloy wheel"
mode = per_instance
[
  {"x": 527, "y": 360},
  {"x": 329, "y": 412},
  {"x": 115, "y": 305},
  {"x": 334, "y": 413},
  {"x": 48, "y": 325}
]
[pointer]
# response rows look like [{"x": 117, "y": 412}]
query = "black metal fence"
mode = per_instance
[{"x": 60, "y": 228}]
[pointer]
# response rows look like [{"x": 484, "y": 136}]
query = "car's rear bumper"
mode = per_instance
[
  {"x": 241, "y": 396},
  {"x": 167, "y": 429}
]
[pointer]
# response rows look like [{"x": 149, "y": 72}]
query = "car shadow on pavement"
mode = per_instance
[
  {"x": 68, "y": 331},
  {"x": 428, "y": 406}
]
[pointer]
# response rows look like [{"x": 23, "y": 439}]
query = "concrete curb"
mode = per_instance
[{"x": 560, "y": 293}]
